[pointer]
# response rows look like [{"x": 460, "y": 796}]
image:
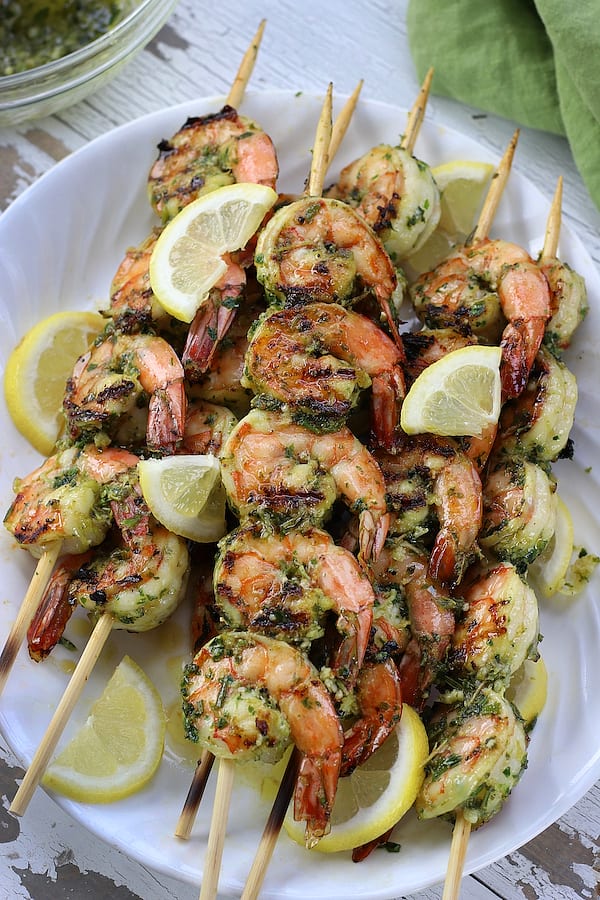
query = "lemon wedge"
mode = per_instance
[
  {"x": 435, "y": 249},
  {"x": 528, "y": 690},
  {"x": 549, "y": 570},
  {"x": 377, "y": 794},
  {"x": 187, "y": 260},
  {"x": 462, "y": 185},
  {"x": 37, "y": 371},
  {"x": 119, "y": 748},
  {"x": 185, "y": 494},
  {"x": 459, "y": 394}
]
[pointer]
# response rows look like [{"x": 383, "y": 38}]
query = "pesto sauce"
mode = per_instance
[{"x": 34, "y": 32}]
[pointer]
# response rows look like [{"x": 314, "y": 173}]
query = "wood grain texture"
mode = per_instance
[{"x": 47, "y": 856}]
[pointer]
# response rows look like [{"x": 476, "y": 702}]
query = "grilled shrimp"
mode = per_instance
[
  {"x": 139, "y": 575},
  {"x": 316, "y": 359},
  {"x": 536, "y": 424},
  {"x": 207, "y": 426},
  {"x": 568, "y": 304},
  {"x": 431, "y": 614},
  {"x": 445, "y": 479},
  {"x": 209, "y": 152},
  {"x": 426, "y": 346},
  {"x": 479, "y": 753},
  {"x": 62, "y": 500},
  {"x": 379, "y": 696},
  {"x": 483, "y": 285},
  {"x": 221, "y": 383},
  {"x": 275, "y": 469},
  {"x": 395, "y": 193},
  {"x": 213, "y": 319},
  {"x": 55, "y": 608},
  {"x": 322, "y": 250},
  {"x": 109, "y": 382},
  {"x": 519, "y": 510},
  {"x": 246, "y": 696},
  {"x": 282, "y": 585},
  {"x": 499, "y": 627},
  {"x": 133, "y": 304}
]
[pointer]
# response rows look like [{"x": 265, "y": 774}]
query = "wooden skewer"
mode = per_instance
[
  {"x": 37, "y": 586},
  {"x": 273, "y": 825},
  {"x": 416, "y": 115},
  {"x": 187, "y": 817},
  {"x": 553, "y": 223},
  {"x": 462, "y": 828},
  {"x": 320, "y": 158},
  {"x": 458, "y": 850},
  {"x": 216, "y": 837},
  {"x": 340, "y": 126},
  {"x": 46, "y": 565},
  {"x": 495, "y": 192},
  {"x": 320, "y": 162},
  {"x": 238, "y": 88},
  {"x": 64, "y": 709}
]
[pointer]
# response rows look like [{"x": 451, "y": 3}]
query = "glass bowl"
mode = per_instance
[{"x": 45, "y": 89}]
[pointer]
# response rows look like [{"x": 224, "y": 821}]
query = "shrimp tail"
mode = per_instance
[
  {"x": 350, "y": 654},
  {"x": 520, "y": 343},
  {"x": 385, "y": 305},
  {"x": 166, "y": 418},
  {"x": 314, "y": 795},
  {"x": 388, "y": 393},
  {"x": 200, "y": 344},
  {"x": 372, "y": 534},
  {"x": 448, "y": 562},
  {"x": 412, "y": 676},
  {"x": 360, "y": 853},
  {"x": 55, "y": 609},
  {"x": 210, "y": 325},
  {"x": 380, "y": 699}
]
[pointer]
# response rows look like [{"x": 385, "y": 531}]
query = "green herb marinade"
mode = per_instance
[{"x": 35, "y": 32}]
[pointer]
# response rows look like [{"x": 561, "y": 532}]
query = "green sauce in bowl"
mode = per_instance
[{"x": 35, "y": 32}]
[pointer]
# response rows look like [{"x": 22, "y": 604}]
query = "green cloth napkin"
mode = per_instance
[{"x": 535, "y": 62}]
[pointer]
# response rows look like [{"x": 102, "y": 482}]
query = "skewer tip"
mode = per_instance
[
  {"x": 340, "y": 126},
  {"x": 240, "y": 82},
  {"x": 496, "y": 189},
  {"x": 417, "y": 114},
  {"x": 320, "y": 158},
  {"x": 553, "y": 223}
]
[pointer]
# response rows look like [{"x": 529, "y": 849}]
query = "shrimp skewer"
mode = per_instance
[
  {"x": 134, "y": 586},
  {"x": 370, "y": 731},
  {"x": 166, "y": 405},
  {"x": 462, "y": 828},
  {"x": 57, "y": 510},
  {"x": 321, "y": 160},
  {"x": 393, "y": 191},
  {"x": 306, "y": 773}
]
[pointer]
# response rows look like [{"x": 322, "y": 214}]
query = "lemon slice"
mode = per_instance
[
  {"x": 462, "y": 185},
  {"x": 528, "y": 690},
  {"x": 550, "y": 568},
  {"x": 37, "y": 370},
  {"x": 187, "y": 259},
  {"x": 377, "y": 794},
  {"x": 119, "y": 748},
  {"x": 185, "y": 494},
  {"x": 459, "y": 394},
  {"x": 435, "y": 249}
]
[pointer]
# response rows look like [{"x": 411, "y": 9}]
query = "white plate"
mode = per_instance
[{"x": 60, "y": 244}]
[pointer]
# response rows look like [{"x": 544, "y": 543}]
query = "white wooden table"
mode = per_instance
[{"x": 46, "y": 856}]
